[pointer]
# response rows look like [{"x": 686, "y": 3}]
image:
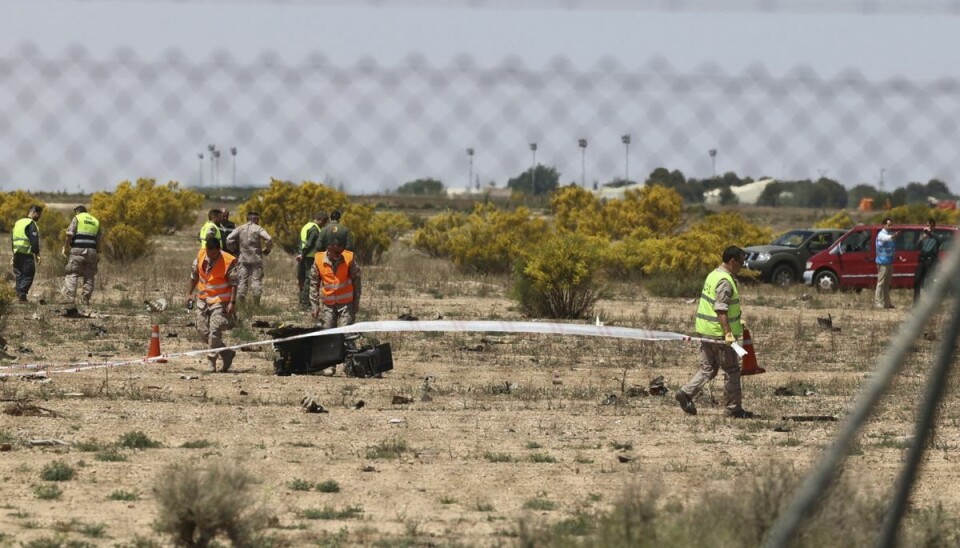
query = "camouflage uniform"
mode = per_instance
[
  {"x": 212, "y": 320},
  {"x": 337, "y": 315},
  {"x": 82, "y": 264},
  {"x": 249, "y": 239}
]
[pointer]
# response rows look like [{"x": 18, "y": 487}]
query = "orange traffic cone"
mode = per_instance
[
  {"x": 154, "y": 349},
  {"x": 749, "y": 365}
]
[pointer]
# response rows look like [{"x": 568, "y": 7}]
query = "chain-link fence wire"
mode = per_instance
[
  {"x": 74, "y": 121},
  {"x": 820, "y": 479},
  {"x": 866, "y": 7}
]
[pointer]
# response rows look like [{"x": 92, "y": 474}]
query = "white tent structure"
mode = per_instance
[{"x": 746, "y": 194}]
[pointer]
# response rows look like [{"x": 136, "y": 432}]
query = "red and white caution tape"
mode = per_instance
[{"x": 546, "y": 328}]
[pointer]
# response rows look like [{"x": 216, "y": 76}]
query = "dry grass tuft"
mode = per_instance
[{"x": 198, "y": 503}]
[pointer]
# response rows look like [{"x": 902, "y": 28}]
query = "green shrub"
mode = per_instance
[
  {"x": 137, "y": 440},
  {"x": 560, "y": 278},
  {"x": 52, "y": 224},
  {"x": 146, "y": 207},
  {"x": 841, "y": 219},
  {"x": 124, "y": 244},
  {"x": 388, "y": 449},
  {"x": 110, "y": 455},
  {"x": 197, "y": 503},
  {"x": 134, "y": 212},
  {"x": 8, "y": 297},
  {"x": 285, "y": 207},
  {"x": 299, "y": 485},
  {"x": 329, "y": 512},
  {"x": 57, "y": 471},
  {"x": 328, "y": 486},
  {"x": 486, "y": 241},
  {"x": 47, "y": 491},
  {"x": 120, "y": 494}
]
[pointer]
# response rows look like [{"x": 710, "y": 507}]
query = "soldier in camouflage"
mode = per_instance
[{"x": 254, "y": 244}]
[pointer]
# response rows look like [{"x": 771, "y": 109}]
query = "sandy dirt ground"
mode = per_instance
[{"x": 496, "y": 420}]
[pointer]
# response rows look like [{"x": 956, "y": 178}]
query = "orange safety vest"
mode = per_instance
[
  {"x": 336, "y": 286},
  {"x": 214, "y": 286}
]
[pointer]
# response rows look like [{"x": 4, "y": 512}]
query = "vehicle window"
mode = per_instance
[
  {"x": 794, "y": 238},
  {"x": 907, "y": 240},
  {"x": 858, "y": 241},
  {"x": 821, "y": 240},
  {"x": 947, "y": 236}
]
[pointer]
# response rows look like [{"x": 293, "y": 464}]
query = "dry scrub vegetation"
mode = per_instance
[{"x": 510, "y": 439}]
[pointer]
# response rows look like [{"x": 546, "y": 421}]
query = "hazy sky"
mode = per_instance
[
  {"x": 881, "y": 45},
  {"x": 919, "y": 46}
]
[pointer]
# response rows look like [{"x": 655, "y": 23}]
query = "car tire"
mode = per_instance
[
  {"x": 783, "y": 276},
  {"x": 826, "y": 280}
]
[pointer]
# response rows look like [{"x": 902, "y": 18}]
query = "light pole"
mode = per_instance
[
  {"x": 882, "y": 170},
  {"x": 233, "y": 152},
  {"x": 625, "y": 139},
  {"x": 470, "y": 171},
  {"x": 216, "y": 155},
  {"x": 583, "y": 162},
  {"x": 210, "y": 149},
  {"x": 533, "y": 167},
  {"x": 713, "y": 161},
  {"x": 200, "y": 170}
]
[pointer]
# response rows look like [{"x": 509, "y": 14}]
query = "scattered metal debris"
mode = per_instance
[
  {"x": 401, "y": 400},
  {"x": 358, "y": 405},
  {"x": 156, "y": 305},
  {"x": 796, "y": 388},
  {"x": 658, "y": 386},
  {"x": 36, "y": 443},
  {"x": 625, "y": 458},
  {"x": 826, "y": 324},
  {"x": 609, "y": 399},
  {"x": 310, "y": 404}
]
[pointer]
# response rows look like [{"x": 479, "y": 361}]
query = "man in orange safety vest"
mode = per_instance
[{"x": 214, "y": 276}]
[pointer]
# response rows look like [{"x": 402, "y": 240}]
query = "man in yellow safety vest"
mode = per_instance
[
  {"x": 718, "y": 319},
  {"x": 26, "y": 251},
  {"x": 211, "y": 228},
  {"x": 81, "y": 247},
  {"x": 309, "y": 247}
]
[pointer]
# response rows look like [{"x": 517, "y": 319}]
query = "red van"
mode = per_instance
[{"x": 850, "y": 263}]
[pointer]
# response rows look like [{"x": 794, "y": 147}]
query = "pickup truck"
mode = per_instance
[{"x": 782, "y": 261}]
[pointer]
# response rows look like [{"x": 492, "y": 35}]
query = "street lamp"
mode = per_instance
[
  {"x": 211, "y": 149},
  {"x": 200, "y": 170},
  {"x": 625, "y": 139},
  {"x": 583, "y": 162},
  {"x": 233, "y": 152},
  {"x": 882, "y": 171},
  {"x": 533, "y": 168},
  {"x": 470, "y": 172},
  {"x": 216, "y": 155},
  {"x": 713, "y": 161}
]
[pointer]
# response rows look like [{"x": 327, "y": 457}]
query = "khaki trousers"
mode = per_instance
[
  {"x": 251, "y": 275},
  {"x": 884, "y": 276},
  {"x": 81, "y": 269},
  {"x": 713, "y": 358},
  {"x": 212, "y": 323}
]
